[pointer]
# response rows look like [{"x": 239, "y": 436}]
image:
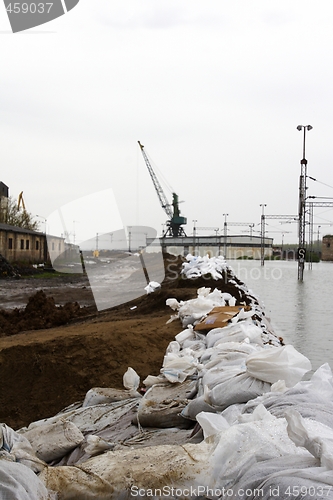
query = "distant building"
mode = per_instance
[
  {"x": 24, "y": 245},
  {"x": 327, "y": 248},
  {"x": 234, "y": 247}
]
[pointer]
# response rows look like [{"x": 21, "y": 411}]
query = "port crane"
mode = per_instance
[
  {"x": 20, "y": 201},
  {"x": 175, "y": 221}
]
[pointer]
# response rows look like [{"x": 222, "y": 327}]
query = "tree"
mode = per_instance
[{"x": 17, "y": 216}]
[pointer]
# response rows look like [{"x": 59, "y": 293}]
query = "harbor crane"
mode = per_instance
[
  {"x": 20, "y": 201},
  {"x": 176, "y": 221}
]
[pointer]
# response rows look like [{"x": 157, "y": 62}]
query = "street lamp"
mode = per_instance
[
  {"x": 262, "y": 233},
  {"x": 318, "y": 245},
  {"x": 301, "y": 207},
  {"x": 194, "y": 233},
  {"x": 225, "y": 235}
]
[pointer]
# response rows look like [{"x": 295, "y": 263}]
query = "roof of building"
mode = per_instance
[{"x": 16, "y": 229}]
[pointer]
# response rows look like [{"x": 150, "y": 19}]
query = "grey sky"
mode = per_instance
[{"x": 214, "y": 90}]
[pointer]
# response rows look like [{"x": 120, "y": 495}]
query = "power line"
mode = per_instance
[{"x": 324, "y": 183}]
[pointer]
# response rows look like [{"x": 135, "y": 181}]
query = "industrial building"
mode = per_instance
[
  {"x": 24, "y": 245},
  {"x": 231, "y": 247}
]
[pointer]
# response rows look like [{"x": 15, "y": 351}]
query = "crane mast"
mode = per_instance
[{"x": 175, "y": 222}]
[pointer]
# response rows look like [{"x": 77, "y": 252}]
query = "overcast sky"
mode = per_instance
[{"x": 214, "y": 90}]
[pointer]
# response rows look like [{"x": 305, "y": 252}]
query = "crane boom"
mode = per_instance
[
  {"x": 160, "y": 193},
  {"x": 176, "y": 221}
]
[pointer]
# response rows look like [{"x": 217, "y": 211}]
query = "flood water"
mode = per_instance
[{"x": 300, "y": 311}]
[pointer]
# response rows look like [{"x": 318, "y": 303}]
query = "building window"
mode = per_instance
[
  {"x": 22, "y": 244},
  {"x": 37, "y": 245},
  {"x": 328, "y": 245},
  {"x": 27, "y": 244},
  {"x": 52, "y": 245},
  {"x": 10, "y": 243}
]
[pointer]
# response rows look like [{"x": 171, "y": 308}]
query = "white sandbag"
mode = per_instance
[
  {"x": 176, "y": 368},
  {"x": 278, "y": 363},
  {"x": 92, "y": 418},
  {"x": 18, "y": 482},
  {"x": 127, "y": 472},
  {"x": 235, "y": 388},
  {"x": 196, "y": 406},
  {"x": 100, "y": 395},
  {"x": 131, "y": 379},
  {"x": 316, "y": 437},
  {"x": 241, "y": 446},
  {"x": 211, "y": 423},
  {"x": 309, "y": 403},
  {"x": 162, "y": 405},
  {"x": 14, "y": 446},
  {"x": 53, "y": 441},
  {"x": 235, "y": 333},
  {"x": 185, "y": 335},
  {"x": 94, "y": 445},
  {"x": 201, "y": 266},
  {"x": 152, "y": 380},
  {"x": 291, "y": 476},
  {"x": 152, "y": 287}
]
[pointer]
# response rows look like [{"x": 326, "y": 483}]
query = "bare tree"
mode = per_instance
[{"x": 18, "y": 216}]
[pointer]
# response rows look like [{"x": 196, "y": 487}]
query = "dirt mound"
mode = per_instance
[
  {"x": 7, "y": 270},
  {"x": 40, "y": 312}
]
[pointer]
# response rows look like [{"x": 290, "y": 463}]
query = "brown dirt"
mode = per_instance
[{"x": 46, "y": 367}]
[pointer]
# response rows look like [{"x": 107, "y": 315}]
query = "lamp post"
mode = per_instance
[
  {"x": 301, "y": 207},
  {"x": 194, "y": 233},
  {"x": 262, "y": 234},
  {"x": 318, "y": 245},
  {"x": 225, "y": 235}
]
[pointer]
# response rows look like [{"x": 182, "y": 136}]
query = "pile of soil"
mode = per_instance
[
  {"x": 42, "y": 371},
  {"x": 40, "y": 312},
  {"x": 7, "y": 270}
]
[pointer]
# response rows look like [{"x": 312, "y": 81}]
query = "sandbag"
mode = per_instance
[
  {"x": 242, "y": 445},
  {"x": 18, "y": 482},
  {"x": 312, "y": 398},
  {"x": 53, "y": 441},
  {"x": 284, "y": 478},
  {"x": 120, "y": 474},
  {"x": 317, "y": 438},
  {"x": 278, "y": 363},
  {"x": 162, "y": 405},
  {"x": 235, "y": 388},
  {"x": 196, "y": 406},
  {"x": 100, "y": 395},
  {"x": 14, "y": 446}
]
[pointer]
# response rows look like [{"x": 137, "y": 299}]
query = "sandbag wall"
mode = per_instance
[{"x": 228, "y": 416}]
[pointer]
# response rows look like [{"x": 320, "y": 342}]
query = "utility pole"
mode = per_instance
[
  {"x": 262, "y": 233},
  {"x": 301, "y": 207}
]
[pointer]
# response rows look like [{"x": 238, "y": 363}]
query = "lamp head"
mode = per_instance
[
  {"x": 309, "y": 127},
  {"x": 299, "y": 127}
]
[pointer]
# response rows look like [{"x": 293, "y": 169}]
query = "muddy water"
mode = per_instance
[{"x": 301, "y": 312}]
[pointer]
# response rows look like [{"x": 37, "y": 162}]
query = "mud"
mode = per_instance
[{"x": 46, "y": 365}]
